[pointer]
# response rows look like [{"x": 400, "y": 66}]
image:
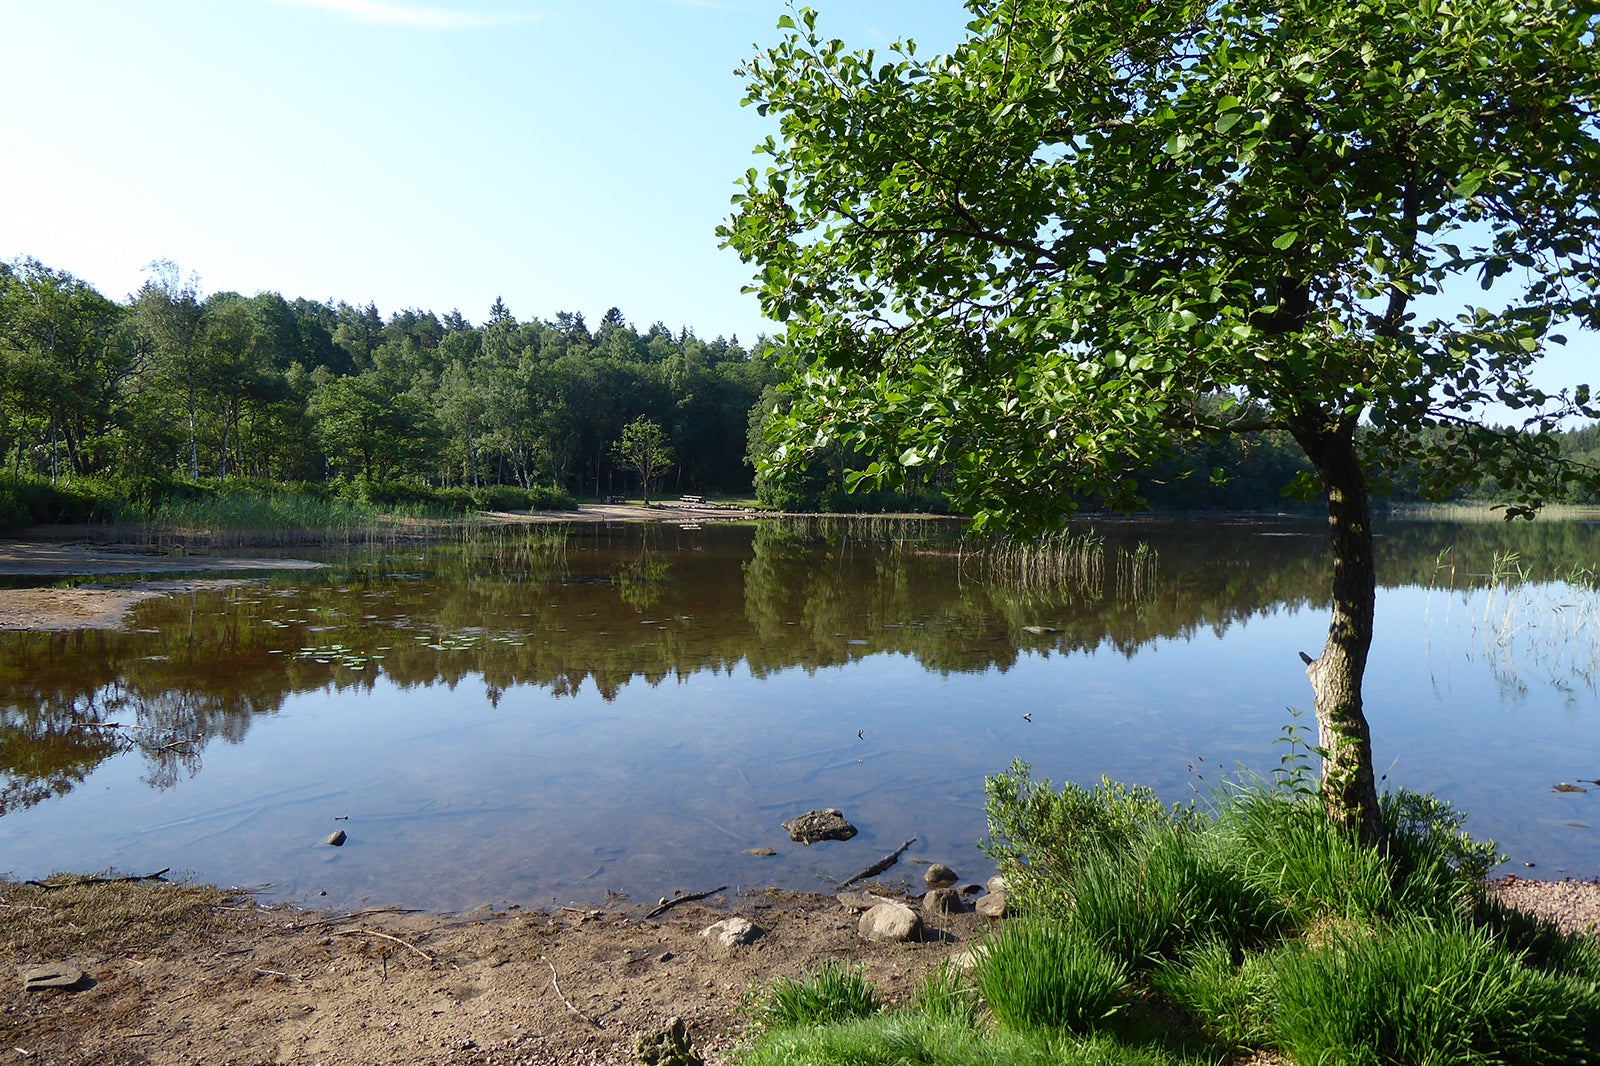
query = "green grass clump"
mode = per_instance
[
  {"x": 946, "y": 993},
  {"x": 1232, "y": 1003},
  {"x": 1429, "y": 993},
  {"x": 1045, "y": 974},
  {"x": 1166, "y": 890},
  {"x": 913, "y": 1039},
  {"x": 832, "y": 994}
]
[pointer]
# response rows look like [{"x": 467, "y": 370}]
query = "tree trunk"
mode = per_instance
[{"x": 1349, "y": 788}]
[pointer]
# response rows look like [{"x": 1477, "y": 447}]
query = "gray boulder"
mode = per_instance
[{"x": 891, "y": 922}]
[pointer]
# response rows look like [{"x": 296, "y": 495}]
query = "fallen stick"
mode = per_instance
[
  {"x": 667, "y": 905},
  {"x": 385, "y": 936},
  {"x": 99, "y": 880},
  {"x": 563, "y": 996},
  {"x": 879, "y": 866}
]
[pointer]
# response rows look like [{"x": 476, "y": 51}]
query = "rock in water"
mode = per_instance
[
  {"x": 939, "y": 875},
  {"x": 337, "y": 838},
  {"x": 813, "y": 826},
  {"x": 668, "y": 1047},
  {"x": 893, "y": 922},
  {"x": 731, "y": 932}
]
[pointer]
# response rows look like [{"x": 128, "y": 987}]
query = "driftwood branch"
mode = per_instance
[
  {"x": 385, "y": 936},
  {"x": 157, "y": 876},
  {"x": 668, "y": 904},
  {"x": 563, "y": 996},
  {"x": 879, "y": 866}
]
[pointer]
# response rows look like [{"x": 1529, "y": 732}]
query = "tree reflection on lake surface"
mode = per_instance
[{"x": 558, "y": 713}]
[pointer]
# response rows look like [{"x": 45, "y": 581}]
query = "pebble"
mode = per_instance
[{"x": 337, "y": 838}]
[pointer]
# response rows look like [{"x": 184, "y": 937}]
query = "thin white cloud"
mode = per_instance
[{"x": 411, "y": 16}]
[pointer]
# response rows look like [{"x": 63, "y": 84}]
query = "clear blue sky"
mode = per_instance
[
  {"x": 433, "y": 154},
  {"x": 430, "y": 154}
]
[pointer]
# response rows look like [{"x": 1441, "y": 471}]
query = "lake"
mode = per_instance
[{"x": 548, "y": 715}]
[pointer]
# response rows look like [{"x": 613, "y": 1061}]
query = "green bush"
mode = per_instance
[
  {"x": 14, "y": 514},
  {"x": 1429, "y": 992},
  {"x": 832, "y": 994},
  {"x": 1039, "y": 837},
  {"x": 1044, "y": 974}
]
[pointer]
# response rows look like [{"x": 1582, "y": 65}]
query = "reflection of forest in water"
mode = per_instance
[{"x": 617, "y": 605}]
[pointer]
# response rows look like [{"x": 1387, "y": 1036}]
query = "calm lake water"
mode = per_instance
[{"x": 548, "y": 716}]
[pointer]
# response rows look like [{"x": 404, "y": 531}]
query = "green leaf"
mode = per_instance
[{"x": 1285, "y": 239}]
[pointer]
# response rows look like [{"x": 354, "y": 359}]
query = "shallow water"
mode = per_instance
[{"x": 542, "y": 717}]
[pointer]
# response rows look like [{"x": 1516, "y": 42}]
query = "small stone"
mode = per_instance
[
  {"x": 892, "y": 922},
  {"x": 1040, "y": 631},
  {"x": 942, "y": 901},
  {"x": 732, "y": 932},
  {"x": 54, "y": 976},
  {"x": 760, "y": 853},
  {"x": 667, "y": 1047},
  {"x": 991, "y": 906},
  {"x": 1565, "y": 787},
  {"x": 337, "y": 838},
  {"x": 938, "y": 875},
  {"x": 813, "y": 826}
]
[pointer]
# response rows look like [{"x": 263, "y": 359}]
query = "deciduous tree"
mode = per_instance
[{"x": 1042, "y": 258}]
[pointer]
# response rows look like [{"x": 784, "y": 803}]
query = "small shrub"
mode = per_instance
[
  {"x": 832, "y": 994},
  {"x": 1041, "y": 974},
  {"x": 1231, "y": 1003},
  {"x": 1039, "y": 837},
  {"x": 1429, "y": 993}
]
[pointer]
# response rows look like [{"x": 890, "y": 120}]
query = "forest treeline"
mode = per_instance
[{"x": 171, "y": 392}]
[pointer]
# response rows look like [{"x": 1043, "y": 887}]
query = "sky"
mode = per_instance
[{"x": 565, "y": 155}]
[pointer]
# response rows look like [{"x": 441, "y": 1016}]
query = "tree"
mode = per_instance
[
  {"x": 643, "y": 447},
  {"x": 171, "y": 317},
  {"x": 1047, "y": 257}
]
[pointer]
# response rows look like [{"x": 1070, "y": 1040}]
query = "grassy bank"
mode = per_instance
[
  {"x": 246, "y": 510},
  {"x": 1169, "y": 935}
]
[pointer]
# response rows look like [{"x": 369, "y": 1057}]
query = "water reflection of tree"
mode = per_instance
[{"x": 563, "y": 611}]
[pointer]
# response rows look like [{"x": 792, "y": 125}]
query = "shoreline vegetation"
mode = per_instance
[{"x": 1246, "y": 915}]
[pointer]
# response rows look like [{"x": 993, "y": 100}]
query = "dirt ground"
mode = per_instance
[
  {"x": 183, "y": 974},
  {"x": 178, "y": 974}
]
